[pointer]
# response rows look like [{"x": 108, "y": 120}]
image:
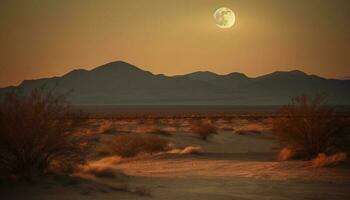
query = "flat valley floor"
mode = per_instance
[{"x": 238, "y": 163}]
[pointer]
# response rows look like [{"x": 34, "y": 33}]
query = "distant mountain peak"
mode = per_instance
[
  {"x": 117, "y": 66},
  {"x": 282, "y": 74},
  {"x": 204, "y": 72},
  {"x": 202, "y": 75},
  {"x": 296, "y": 72},
  {"x": 237, "y": 75}
]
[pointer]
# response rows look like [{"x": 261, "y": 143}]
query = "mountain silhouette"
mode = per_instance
[{"x": 120, "y": 83}]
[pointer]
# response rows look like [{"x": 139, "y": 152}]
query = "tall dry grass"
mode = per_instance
[
  {"x": 310, "y": 126},
  {"x": 38, "y": 135}
]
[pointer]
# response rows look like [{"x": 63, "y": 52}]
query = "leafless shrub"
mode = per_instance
[
  {"x": 129, "y": 145},
  {"x": 310, "y": 126},
  {"x": 126, "y": 145},
  {"x": 203, "y": 129},
  {"x": 38, "y": 135},
  {"x": 154, "y": 144}
]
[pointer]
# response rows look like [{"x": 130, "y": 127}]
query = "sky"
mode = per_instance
[{"x": 45, "y": 38}]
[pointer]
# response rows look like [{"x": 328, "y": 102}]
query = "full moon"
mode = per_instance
[{"x": 224, "y": 17}]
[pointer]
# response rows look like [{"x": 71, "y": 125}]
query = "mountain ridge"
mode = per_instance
[{"x": 121, "y": 83}]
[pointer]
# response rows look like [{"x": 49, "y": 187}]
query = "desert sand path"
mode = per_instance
[{"x": 231, "y": 167}]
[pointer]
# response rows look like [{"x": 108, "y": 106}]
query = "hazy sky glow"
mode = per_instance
[{"x": 44, "y": 38}]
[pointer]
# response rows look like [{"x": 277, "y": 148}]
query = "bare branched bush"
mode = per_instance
[
  {"x": 38, "y": 135},
  {"x": 132, "y": 144},
  {"x": 309, "y": 126},
  {"x": 202, "y": 129}
]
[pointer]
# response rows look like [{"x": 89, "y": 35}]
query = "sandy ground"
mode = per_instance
[{"x": 231, "y": 167}]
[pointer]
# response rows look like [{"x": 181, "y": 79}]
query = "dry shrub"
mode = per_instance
[
  {"x": 129, "y": 145},
  {"x": 310, "y": 126},
  {"x": 203, "y": 129},
  {"x": 286, "y": 154},
  {"x": 38, "y": 135},
  {"x": 126, "y": 145},
  {"x": 154, "y": 144},
  {"x": 322, "y": 160}
]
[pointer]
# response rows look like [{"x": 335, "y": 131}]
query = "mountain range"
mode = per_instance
[{"x": 120, "y": 83}]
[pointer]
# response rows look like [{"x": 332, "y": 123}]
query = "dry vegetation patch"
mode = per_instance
[
  {"x": 39, "y": 135},
  {"x": 202, "y": 129},
  {"x": 311, "y": 127},
  {"x": 132, "y": 144}
]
